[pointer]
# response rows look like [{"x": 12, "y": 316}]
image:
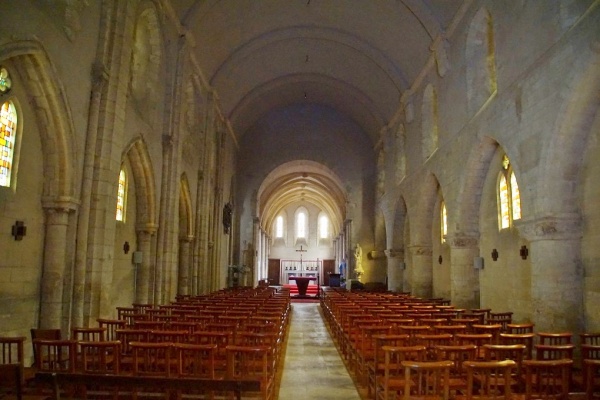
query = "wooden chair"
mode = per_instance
[
  {"x": 96, "y": 334},
  {"x": 581, "y": 378},
  {"x": 169, "y": 336},
  {"x": 152, "y": 359},
  {"x": 554, "y": 338},
  {"x": 554, "y": 352},
  {"x": 412, "y": 331},
  {"x": 111, "y": 326},
  {"x": 251, "y": 362},
  {"x": 494, "y": 330},
  {"x": 547, "y": 379},
  {"x": 591, "y": 370},
  {"x": 365, "y": 348},
  {"x": 456, "y": 354},
  {"x": 590, "y": 338},
  {"x": 11, "y": 379},
  {"x": 426, "y": 379},
  {"x": 502, "y": 318},
  {"x": 525, "y": 339},
  {"x": 46, "y": 334},
  {"x": 55, "y": 355},
  {"x": 376, "y": 367},
  {"x": 477, "y": 339},
  {"x": 487, "y": 379},
  {"x": 100, "y": 357},
  {"x": 12, "y": 352},
  {"x": 525, "y": 327},
  {"x": 126, "y": 336},
  {"x": 430, "y": 341},
  {"x": 221, "y": 340},
  {"x": 513, "y": 352},
  {"x": 392, "y": 383}
]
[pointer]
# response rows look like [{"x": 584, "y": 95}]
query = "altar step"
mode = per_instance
[{"x": 312, "y": 290}]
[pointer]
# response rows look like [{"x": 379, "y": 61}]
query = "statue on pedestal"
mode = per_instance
[{"x": 358, "y": 269}]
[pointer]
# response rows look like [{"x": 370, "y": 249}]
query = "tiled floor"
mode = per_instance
[{"x": 313, "y": 368}]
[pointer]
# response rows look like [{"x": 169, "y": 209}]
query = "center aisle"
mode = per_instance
[{"x": 313, "y": 368}]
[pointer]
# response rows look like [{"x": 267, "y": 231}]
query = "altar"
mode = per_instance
[{"x": 302, "y": 283}]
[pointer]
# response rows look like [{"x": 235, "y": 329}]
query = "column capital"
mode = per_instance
[
  {"x": 552, "y": 227},
  {"x": 60, "y": 204},
  {"x": 462, "y": 240},
  {"x": 187, "y": 239},
  {"x": 420, "y": 250},
  {"x": 391, "y": 253},
  {"x": 147, "y": 228}
]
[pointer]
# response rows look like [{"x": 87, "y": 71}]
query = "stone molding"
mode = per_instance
[
  {"x": 559, "y": 227},
  {"x": 147, "y": 228},
  {"x": 60, "y": 204},
  {"x": 461, "y": 240},
  {"x": 391, "y": 253},
  {"x": 377, "y": 254},
  {"x": 420, "y": 250}
]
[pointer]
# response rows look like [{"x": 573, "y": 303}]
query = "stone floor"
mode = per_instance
[{"x": 313, "y": 368}]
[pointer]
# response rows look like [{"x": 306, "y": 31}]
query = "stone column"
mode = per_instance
[
  {"x": 395, "y": 274},
  {"x": 183, "y": 280},
  {"x": 53, "y": 274},
  {"x": 145, "y": 278},
  {"x": 258, "y": 248},
  {"x": 422, "y": 271},
  {"x": 556, "y": 272},
  {"x": 464, "y": 278}
]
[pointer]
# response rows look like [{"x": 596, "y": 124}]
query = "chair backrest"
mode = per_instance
[
  {"x": 195, "y": 360},
  {"x": 525, "y": 339},
  {"x": 100, "y": 357},
  {"x": 97, "y": 334},
  {"x": 525, "y": 327},
  {"x": 12, "y": 352},
  {"x": 251, "y": 362},
  {"x": 152, "y": 358},
  {"x": 111, "y": 326},
  {"x": 554, "y": 352},
  {"x": 552, "y": 338},
  {"x": 126, "y": 336},
  {"x": 487, "y": 379},
  {"x": 39, "y": 333},
  {"x": 547, "y": 379},
  {"x": 590, "y": 338},
  {"x": 426, "y": 379},
  {"x": 55, "y": 355}
]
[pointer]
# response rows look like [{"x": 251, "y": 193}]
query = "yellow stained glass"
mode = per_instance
[
  {"x": 504, "y": 203},
  {"x": 8, "y": 124},
  {"x": 121, "y": 196},
  {"x": 444, "y": 223},
  {"x": 516, "y": 197}
]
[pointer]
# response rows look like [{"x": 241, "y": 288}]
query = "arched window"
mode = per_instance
[
  {"x": 509, "y": 197},
  {"x": 301, "y": 225},
  {"x": 279, "y": 227},
  {"x": 323, "y": 227},
  {"x": 8, "y": 132},
  {"x": 443, "y": 222},
  {"x": 122, "y": 196}
]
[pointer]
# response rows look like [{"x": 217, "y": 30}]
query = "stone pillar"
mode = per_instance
[
  {"x": 53, "y": 274},
  {"x": 422, "y": 271},
  {"x": 395, "y": 273},
  {"x": 257, "y": 252},
  {"x": 464, "y": 278},
  {"x": 144, "y": 277},
  {"x": 556, "y": 272},
  {"x": 183, "y": 280}
]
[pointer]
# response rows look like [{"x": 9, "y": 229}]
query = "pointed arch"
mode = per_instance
[
  {"x": 38, "y": 76},
  {"x": 143, "y": 179}
]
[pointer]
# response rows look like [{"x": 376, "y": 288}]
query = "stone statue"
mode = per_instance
[{"x": 358, "y": 269}]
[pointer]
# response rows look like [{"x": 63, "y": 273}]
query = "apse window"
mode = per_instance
[
  {"x": 121, "y": 196},
  {"x": 509, "y": 197},
  {"x": 443, "y": 222},
  {"x": 279, "y": 227},
  {"x": 301, "y": 225},
  {"x": 8, "y": 132},
  {"x": 323, "y": 227}
]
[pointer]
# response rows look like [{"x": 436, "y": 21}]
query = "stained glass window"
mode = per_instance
[
  {"x": 121, "y": 196},
  {"x": 509, "y": 197},
  {"x": 323, "y": 227},
  {"x": 279, "y": 227},
  {"x": 8, "y": 132},
  {"x": 444, "y": 222},
  {"x": 301, "y": 225}
]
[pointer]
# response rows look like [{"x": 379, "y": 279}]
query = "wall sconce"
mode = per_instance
[
  {"x": 495, "y": 254},
  {"x": 440, "y": 259},
  {"x": 19, "y": 230},
  {"x": 126, "y": 247},
  {"x": 524, "y": 252}
]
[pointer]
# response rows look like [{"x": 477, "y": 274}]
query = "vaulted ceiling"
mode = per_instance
[{"x": 355, "y": 57}]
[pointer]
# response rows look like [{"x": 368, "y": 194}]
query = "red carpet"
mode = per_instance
[{"x": 311, "y": 291}]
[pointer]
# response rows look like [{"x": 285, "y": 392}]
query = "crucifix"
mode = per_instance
[{"x": 301, "y": 251}]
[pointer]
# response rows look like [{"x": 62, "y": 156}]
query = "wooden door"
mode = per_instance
[
  {"x": 274, "y": 276},
  {"x": 328, "y": 268}
]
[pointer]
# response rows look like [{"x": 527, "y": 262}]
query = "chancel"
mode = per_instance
[{"x": 182, "y": 165}]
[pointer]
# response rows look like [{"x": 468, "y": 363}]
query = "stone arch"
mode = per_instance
[
  {"x": 429, "y": 123},
  {"x": 143, "y": 178},
  {"x": 480, "y": 61},
  {"x": 50, "y": 104},
  {"x": 396, "y": 238},
  {"x": 563, "y": 159}
]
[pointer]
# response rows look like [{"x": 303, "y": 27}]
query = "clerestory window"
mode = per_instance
[{"x": 509, "y": 197}]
